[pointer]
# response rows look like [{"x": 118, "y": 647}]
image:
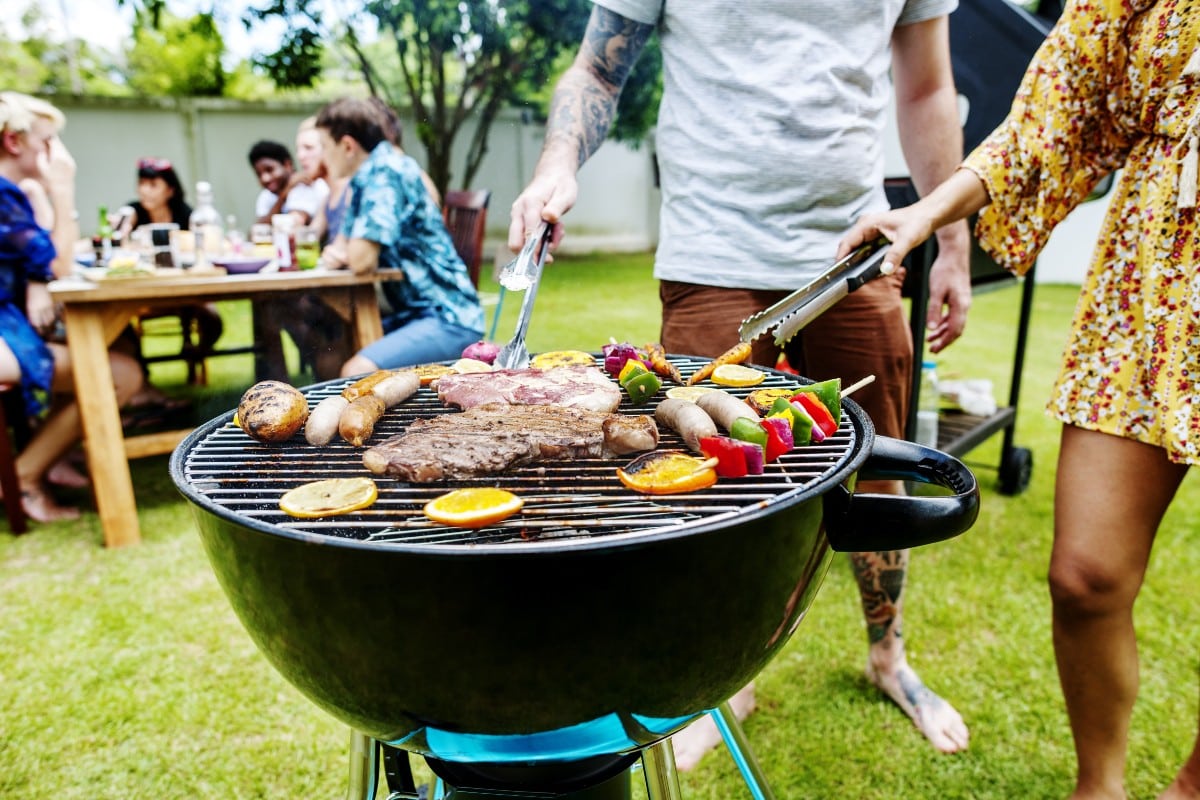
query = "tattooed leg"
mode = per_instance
[{"x": 880, "y": 577}]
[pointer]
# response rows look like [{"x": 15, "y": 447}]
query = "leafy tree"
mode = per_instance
[
  {"x": 450, "y": 62},
  {"x": 40, "y": 64},
  {"x": 176, "y": 57}
]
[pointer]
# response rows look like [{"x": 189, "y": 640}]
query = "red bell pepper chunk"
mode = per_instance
[
  {"x": 730, "y": 456},
  {"x": 779, "y": 437},
  {"x": 817, "y": 410}
]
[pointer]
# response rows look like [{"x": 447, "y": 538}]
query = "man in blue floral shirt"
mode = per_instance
[{"x": 392, "y": 223}]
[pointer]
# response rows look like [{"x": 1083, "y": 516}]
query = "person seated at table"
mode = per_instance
[
  {"x": 393, "y": 223},
  {"x": 30, "y": 148},
  {"x": 285, "y": 191},
  {"x": 161, "y": 199}
]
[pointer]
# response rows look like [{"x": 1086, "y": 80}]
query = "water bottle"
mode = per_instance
[
  {"x": 927, "y": 406},
  {"x": 205, "y": 225}
]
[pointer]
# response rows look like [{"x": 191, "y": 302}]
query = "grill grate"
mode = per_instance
[{"x": 563, "y": 500}]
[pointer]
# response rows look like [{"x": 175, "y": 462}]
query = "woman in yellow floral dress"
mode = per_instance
[{"x": 1116, "y": 85}]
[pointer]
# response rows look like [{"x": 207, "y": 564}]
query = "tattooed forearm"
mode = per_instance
[{"x": 585, "y": 100}]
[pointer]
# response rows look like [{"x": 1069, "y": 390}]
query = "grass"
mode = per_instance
[{"x": 124, "y": 673}]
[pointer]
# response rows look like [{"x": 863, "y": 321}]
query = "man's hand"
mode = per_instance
[
  {"x": 949, "y": 297},
  {"x": 550, "y": 194}
]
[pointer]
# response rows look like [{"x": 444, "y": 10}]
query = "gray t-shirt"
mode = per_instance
[{"x": 770, "y": 133}]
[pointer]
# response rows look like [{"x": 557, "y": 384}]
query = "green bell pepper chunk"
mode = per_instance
[
  {"x": 642, "y": 387},
  {"x": 748, "y": 430}
]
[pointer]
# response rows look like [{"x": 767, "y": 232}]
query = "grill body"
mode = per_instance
[{"x": 567, "y": 632}]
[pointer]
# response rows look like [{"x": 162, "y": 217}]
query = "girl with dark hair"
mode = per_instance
[{"x": 161, "y": 197}]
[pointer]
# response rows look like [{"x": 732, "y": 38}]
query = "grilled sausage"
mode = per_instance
[
  {"x": 724, "y": 408},
  {"x": 397, "y": 387},
  {"x": 323, "y": 420},
  {"x": 366, "y": 384},
  {"x": 628, "y": 434},
  {"x": 687, "y": 419},
  {"x": 357, "y": 420}
]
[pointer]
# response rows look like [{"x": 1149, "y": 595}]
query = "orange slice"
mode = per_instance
[
  {"x": 737, "y": 375},
  {"x": 668, "y": 472},
  {"x": 474, "y": 507},
  {"x": 428, "y": 373},
  {"x": 562, "y": 358},
  {"x": 329, "y": 497}
]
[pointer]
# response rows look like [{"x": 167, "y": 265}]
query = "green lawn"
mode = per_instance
[{"x": 124, "y": 673}]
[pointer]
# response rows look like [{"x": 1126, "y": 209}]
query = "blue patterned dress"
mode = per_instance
[{"x": 26, "y": 252}]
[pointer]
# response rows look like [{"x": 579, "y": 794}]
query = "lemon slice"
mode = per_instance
[
  {"x": 737, "y": 375},
  {"x": 329, "y": 497},
  {"x": 562, "y": 358},
  {"x": 474, "y": 507},
  {"x": 689, "y": 393}
]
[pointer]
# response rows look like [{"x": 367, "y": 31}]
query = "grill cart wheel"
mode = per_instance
[{"x": 1015, "y": 470}]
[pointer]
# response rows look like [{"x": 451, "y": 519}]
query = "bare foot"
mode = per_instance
[
  {"x": 1182, "y": 788},
  {"x": 41, "y": 507},
  {"x": 691, "y": 743},
  {"x": 64, "y": 474},
  {"x": 941, "y": 724}
]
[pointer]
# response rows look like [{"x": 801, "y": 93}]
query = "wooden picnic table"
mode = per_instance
[{"x": 96, "y": 312}]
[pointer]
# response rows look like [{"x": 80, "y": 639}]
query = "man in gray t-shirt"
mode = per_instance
[{"x": 769, "y": 143}]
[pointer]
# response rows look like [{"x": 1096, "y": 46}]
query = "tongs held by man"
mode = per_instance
[
  {"x": 523, "y": 274},
  {"x": 807, "y": 303}
]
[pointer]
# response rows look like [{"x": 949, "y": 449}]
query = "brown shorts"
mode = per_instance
[{"x": 866, "y": 333}]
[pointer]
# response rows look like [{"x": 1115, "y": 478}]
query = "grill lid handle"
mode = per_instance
[{"x": 862, "y": 522}]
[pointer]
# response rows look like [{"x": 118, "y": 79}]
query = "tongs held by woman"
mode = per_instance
[{"x": 523, "y": 274}]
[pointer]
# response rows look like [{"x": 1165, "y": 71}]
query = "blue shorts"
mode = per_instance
[{"x": 420, "y": 341}]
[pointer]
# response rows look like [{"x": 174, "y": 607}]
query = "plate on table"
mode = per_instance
[{"x": 241, "y": 265}]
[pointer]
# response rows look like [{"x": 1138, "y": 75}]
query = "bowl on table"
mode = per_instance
[{"x": 241, "y": 265}]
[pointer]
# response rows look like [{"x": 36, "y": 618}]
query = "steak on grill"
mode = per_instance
[
  {"x": 494, "y": 437},
  {"x": 574, "y": 387}
]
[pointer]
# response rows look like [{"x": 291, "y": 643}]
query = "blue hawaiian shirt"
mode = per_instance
[
  {"x": 26, "y": 252},
  {"x": 389, "y": 205}
]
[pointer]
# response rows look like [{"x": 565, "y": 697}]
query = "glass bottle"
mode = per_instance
[
  {"x": 205, "y": 225},
  {"x": 104, "y": 236},
  {"x": 928, "y": 403}
]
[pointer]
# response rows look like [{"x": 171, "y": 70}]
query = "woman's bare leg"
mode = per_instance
[
  {"x": 60, "y": 432},
  {"x": 1110, "y": 496}
]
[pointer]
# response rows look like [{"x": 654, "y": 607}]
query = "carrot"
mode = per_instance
[
  {"x": 659, "y": 363},
  {"x": 734, "y": 355}
]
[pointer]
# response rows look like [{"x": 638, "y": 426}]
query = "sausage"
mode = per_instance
[
  {"x": 357, "y": 420},
  {"x": 687, "y": 419},
  {"x": 734, "y": 355},
  {"x": 323, "y": 420},
  {"x": 366, "y": 384},
  {"x": 626, "y": 434},
  {"x": 397, "y": 387},
  {"x": 724, "y": 408}
]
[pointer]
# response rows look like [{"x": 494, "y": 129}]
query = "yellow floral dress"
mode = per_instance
[{"x": 1115, "y": 85}]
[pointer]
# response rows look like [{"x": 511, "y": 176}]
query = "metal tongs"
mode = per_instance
[
  {"x": 807, "y": 303},
  {"x": 523, "y": 274}
]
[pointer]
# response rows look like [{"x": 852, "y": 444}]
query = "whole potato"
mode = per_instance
[{"x": 272, "y": 411}]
